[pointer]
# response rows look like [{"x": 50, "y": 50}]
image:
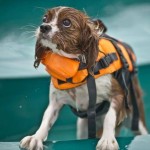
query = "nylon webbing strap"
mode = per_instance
[
  {"x": 124, "y": 70},
  {"x": 91, "y": 109},
  {"x": 135, "y": 118},
  {"x": 100, "y": 109}
]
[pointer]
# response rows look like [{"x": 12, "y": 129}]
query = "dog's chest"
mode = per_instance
[{"x": 78, "y": 97}]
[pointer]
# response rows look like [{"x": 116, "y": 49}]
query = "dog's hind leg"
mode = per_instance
[
  {"x": 142, "y": 128},
  {"x": 128, "y": 121}
]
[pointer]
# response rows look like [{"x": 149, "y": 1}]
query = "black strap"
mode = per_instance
[
  {"x": 135, "y": 117},
  {"x": 91, "y": 85},
  {"x": 100, "y": 109},
  {"x": 105, "y": 62},
  {"x": 124, "y": 72}
]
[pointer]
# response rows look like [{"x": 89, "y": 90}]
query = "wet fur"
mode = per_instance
[{"x": 82, "y": 39}]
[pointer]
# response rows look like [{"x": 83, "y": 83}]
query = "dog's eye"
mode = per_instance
[
  {"x": 44, "y": 18},
  {"x": 66, "y": 23}
]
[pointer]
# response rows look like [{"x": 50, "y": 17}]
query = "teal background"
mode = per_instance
[
  {"x": 24, "y": 90},
  {"x": 18, "y": 13}
]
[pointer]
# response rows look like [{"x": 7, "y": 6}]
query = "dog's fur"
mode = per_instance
[{"x": 73, "y": 34}]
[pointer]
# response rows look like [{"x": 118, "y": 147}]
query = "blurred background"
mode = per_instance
[{"x": 24, "y": 89}]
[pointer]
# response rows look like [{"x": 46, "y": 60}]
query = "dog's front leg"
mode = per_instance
[
  {"x": 108, "y": 141},
  {"x": 34, "y": 142}
]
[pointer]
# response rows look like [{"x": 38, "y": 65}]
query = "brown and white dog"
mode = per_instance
[{"x": 70, "y": 33}]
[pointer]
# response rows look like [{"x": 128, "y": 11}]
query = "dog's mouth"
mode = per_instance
[{"x": 45, "y": 36}]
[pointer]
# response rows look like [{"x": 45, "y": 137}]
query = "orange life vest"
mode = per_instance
[
  {"x": 114, "y": 57},
  {"x": 65, "y": 72}
]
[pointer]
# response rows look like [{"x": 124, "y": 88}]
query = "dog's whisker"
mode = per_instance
[
  {"x": 84, "y": 11},
  {"x": 97, "y": 15},
  {"x": 28, "y": 26},
  {"x": 30, "y": 37},
  {"x": 41, "y": 8},
  {"x": 28, "y": 32}
]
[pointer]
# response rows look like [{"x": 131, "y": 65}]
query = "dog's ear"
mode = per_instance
[
  {"x": 39, "y": 52},
  {"x": 99, "y": 26},
  {"x": 89, "y": 46}
]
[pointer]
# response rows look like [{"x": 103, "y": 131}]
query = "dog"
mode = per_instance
[{"x": 71, "y": 33}]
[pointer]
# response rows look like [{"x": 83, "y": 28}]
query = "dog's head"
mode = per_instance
[{"x": 68, "y": 32}]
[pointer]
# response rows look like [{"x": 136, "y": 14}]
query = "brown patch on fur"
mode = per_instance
[
  {"x": 99, "y": 25},
  {"x": 118, "y": 95},
  {"x": 118, "y": 101}
]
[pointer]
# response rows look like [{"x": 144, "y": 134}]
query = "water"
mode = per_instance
[{"x": 130, "y": 24}]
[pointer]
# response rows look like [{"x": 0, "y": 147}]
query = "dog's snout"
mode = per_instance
[{"x": 45, "y": 28}]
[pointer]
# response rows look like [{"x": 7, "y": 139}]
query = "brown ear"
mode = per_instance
[
  {"x": 89, "y": 46},
  {"x": 39, "y": 51},
  {"x": 99, "y": 26}
]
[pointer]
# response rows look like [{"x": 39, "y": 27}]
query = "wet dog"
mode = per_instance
[{"x": 71, "y": 33}]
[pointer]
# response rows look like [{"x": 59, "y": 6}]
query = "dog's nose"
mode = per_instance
[{"x": 45, "y": 28}]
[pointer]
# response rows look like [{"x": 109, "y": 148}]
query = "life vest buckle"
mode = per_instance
[{"x": 107, "y": 60}]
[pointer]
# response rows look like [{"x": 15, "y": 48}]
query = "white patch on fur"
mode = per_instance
[
  {"x": 48, "y": 43},
  {"x": 61, "y": 52},
  {"x": 108, "y": 140},
  {"x": 53, "y": 46},
  {"x": 142, "y": 128},
  {"x": 109, "y": 122},
  {"x": 53, "y": 23},
  {"x": 103, "y": 86},
  {"x": 37, "y": 32}
]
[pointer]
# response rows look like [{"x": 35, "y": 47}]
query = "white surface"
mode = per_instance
[{"x": 140, "y": 143}]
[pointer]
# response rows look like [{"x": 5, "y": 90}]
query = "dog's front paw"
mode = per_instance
[
  {"x": 108, "y": 143},
  {"x": 31, "y": 143}
]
